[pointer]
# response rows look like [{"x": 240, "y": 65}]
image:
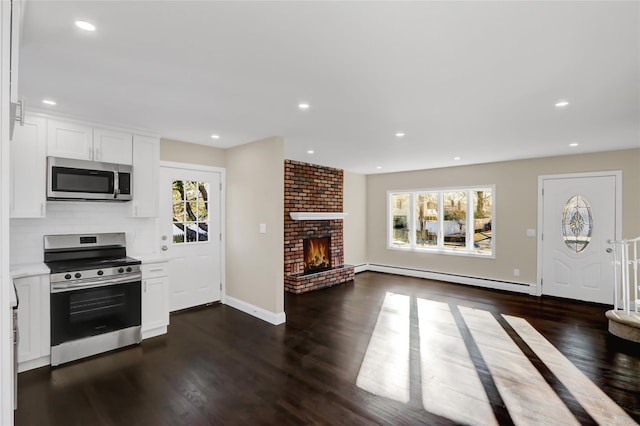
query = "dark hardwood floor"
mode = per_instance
[{"x": 390, "y": 335}]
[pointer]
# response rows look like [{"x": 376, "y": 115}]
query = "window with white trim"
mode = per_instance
[{"x": 442, "y": 220}]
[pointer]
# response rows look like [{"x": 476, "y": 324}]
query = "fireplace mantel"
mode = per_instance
[{"x": 317, "y": 215}]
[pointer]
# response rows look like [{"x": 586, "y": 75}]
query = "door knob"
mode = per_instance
[
  {"x": 608, "y": 250},
  {"x": 164, "y": 238},
  {"x": 165, "y": 248}
]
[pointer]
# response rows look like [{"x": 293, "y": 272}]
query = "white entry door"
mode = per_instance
[
  {"x": 579, "y": 216},
  {"x": 190, "y": 226}
]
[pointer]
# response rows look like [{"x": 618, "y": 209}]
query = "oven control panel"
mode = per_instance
[{"x": 95, "y": 274}]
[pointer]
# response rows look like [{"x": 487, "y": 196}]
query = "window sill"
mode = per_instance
[{"x": 446, "y": 252}]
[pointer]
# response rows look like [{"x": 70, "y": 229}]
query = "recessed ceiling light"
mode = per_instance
[
  {"x": 399, "y": 134},
  {"x": 84, "y": 25},
  {"x": 574, "y": 144},
  {"x": 48, "y": 102},
  {"x": 310, "y": 151},
  {"x": 215, "y": 136},
  {"x": 378, "y": 167},
  {"x": 457, "y": 158},
  {"x": 303, "y": 106},
  {"x": 561, "y": 104}
]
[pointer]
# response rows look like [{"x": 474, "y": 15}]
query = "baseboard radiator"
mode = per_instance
[{"x": 441, "y": 276}]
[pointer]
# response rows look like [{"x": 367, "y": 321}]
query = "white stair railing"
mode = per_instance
[{"x": 625, "y": 272}]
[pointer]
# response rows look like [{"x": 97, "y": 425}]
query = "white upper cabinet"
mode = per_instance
[
  {"x": 28, "y": 164},
  {"x": 72, "y": 140},
  {"x": 146, "y": 162},
  {"x": 16, "y": 104},
  {"x": 17, "y": 15},
  {"x": 69, "y": 140},
  {"x": 112, "y": 147}
]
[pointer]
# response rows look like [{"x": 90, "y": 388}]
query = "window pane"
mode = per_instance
[
  {"x": 203, "y": 211},
  {"x": 192, "y": 232},
  {"x": 577, "y": 223},
  {"x": 203, "y": 191},
  {"x": 203, "y": 232},
  {"x": 178, "y": 233},
  {"x": 482, "y": 220},
  {"x": 178, "y": 211},
  {"x": 427, "y": 219},
  {"x": 455, "y": 217},
  {"x": 191, "y": 190},
  {"x": 177, "y": 189},
  {"x": 401, "y": 206},
  {"x": 192, "y": 208}
]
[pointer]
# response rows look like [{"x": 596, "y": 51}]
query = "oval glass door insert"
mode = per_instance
[{"x": 577, "y": 223}]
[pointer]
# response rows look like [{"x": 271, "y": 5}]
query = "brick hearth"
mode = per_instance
[{"x": 312, "y": 188}]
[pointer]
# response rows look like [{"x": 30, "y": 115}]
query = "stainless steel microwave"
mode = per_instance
[{"x": 69, "y": 179}]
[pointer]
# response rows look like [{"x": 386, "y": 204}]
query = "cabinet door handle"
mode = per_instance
[
  {"x": 145, "y": 286},
  {"x": 156, "y": 270},
  {"x": 42, "y": 209},
  {"x": 20, "y": 119},
  {"x": 97, "y": 153}
]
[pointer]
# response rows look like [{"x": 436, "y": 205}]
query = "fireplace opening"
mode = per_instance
[{"x": 317, "y": 254}]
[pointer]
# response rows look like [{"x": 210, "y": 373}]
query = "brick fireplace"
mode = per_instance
[{"x": 314, "y": 194}]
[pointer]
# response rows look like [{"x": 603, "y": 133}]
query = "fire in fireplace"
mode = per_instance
[{"x": 317, "y": 254}]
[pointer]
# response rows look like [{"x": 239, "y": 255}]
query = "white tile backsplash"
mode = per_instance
[{"x": 71, "y": 217}]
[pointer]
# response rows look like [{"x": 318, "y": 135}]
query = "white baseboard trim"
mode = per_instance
[
  {"x": 363, "y": 267},
  {"x": 147, "y": 334},
  {"x": 263, "y": 314},
  {"x": 34, "y": 363},
  {"x": 458, "y": 279}
]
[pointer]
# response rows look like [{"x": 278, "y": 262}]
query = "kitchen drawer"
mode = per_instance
[{"x": 153, "y": 270}]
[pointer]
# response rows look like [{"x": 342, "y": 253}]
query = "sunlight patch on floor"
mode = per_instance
[
  {"x": 451, "y": 386},
  {"x": 528, "y": 397},
  {"x": 385, "y": 368},
  {"x": 450, "y": 383},
  {"x": 595, "y": 402}
]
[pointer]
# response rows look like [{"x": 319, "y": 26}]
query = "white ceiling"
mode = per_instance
[{"x": 477, "y": 80}]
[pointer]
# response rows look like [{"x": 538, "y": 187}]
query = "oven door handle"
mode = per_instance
[{"x": 60, "y": 287}]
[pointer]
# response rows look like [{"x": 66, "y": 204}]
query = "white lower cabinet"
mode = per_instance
[
  {"x": 34, "y": 323},
  {"x": 155, "y": 299}
]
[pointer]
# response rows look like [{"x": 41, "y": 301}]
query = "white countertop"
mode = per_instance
[{"x": 28, "y": 270}]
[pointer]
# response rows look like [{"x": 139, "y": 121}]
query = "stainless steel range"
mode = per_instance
[{"x": 95, "y": 295}]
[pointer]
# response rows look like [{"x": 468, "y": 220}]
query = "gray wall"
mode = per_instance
[
  {"x": 516, "y": 209},
  {"x": 355, "y": 231},
  {"x": 255, "y": 195},
  {"x": 184, "y": 152}
]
